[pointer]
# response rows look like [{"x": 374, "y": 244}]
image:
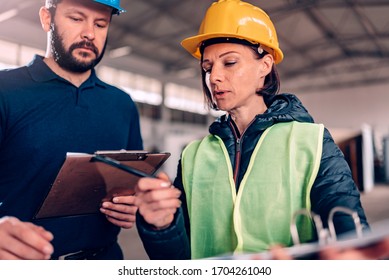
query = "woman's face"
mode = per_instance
[{"x": 234, "y": 75}]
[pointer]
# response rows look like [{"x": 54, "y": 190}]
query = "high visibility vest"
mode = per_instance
[{"x": 277, "y": 182}]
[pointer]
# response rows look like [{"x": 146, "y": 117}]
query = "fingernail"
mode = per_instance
[
  {"x": 115, "y": 199},
  {"x": 47, "y": 250},
  {"x": 165, "y": 184}
]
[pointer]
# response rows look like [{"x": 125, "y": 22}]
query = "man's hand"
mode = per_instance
[
  {"x": 23, "y": 240},
  {"x": 121, "y": 211}
]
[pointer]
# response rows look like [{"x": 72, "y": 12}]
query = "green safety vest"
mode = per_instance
[{"x": 277, "y": 182}]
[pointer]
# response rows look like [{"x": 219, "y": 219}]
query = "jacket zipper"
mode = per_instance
[
  {"x": 238, "y": 145},
  {"x": 237, "y": 154},
  {"x": 237, "y": 160}
]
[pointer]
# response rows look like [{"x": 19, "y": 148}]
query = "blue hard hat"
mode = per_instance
[{"x": 115, "y": 4}]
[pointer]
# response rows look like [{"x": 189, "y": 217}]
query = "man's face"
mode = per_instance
[{"x": 79, "y": 33}]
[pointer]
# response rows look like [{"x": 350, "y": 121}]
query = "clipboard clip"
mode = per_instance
[{"x": 325, "y": 236}]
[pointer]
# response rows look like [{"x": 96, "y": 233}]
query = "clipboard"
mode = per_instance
[
  {"x": 327, "y": 237},
  {"x": 310, "y": 251},
  {"x": 83, "y": 183}
]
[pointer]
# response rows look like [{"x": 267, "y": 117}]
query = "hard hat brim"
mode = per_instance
[{"x": 192, "y": 44}]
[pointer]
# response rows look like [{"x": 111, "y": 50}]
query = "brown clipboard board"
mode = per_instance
[{"x": 82, "y": 184}]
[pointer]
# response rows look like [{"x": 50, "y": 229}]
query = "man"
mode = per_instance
[{"x": 52, "y": 106}]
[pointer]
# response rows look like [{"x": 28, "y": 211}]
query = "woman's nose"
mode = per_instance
[{"x": 215, "y": 75}]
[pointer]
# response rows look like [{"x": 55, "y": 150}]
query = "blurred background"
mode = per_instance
[{"x": 336, "y": 62}]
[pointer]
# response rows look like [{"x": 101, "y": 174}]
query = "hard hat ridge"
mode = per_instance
[{"x": 236, "y": 19}]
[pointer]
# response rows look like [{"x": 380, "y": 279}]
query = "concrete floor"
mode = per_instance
[{"x": 375, "y": 203}]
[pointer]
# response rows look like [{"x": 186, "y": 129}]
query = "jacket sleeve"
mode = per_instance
[
  {"x": 167, "y": 244},
  {"x": 334, "y": 186},
  {"x": 173, "y": 242}
]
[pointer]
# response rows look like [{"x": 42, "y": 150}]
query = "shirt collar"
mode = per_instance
[{"x": 40, "y": 72}]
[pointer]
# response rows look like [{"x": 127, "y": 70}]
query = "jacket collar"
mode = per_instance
[{"x": 281, "y": 108}]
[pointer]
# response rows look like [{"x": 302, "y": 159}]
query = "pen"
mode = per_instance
[{"x": 117, "y": 164}]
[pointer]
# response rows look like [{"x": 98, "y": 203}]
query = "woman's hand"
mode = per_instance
[
  {"x": 23, "y": 240},
  {"x": 379, "y": 250},
  {"x": 157, "y": 200}
]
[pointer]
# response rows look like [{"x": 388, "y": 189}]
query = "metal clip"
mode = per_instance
[
  {"x": 353, "y": 214},
  {"x": 325, "y": 236},
  {"x": 322, "y": 233}
]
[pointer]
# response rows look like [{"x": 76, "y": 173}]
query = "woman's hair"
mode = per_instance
[{"x": 272, "y": 81}]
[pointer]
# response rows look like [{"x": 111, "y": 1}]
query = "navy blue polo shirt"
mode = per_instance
[{"x": 42, "y": 117}]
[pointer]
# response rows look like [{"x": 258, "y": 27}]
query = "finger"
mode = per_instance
[
  {"x": 379, "y": 250},
  {"x": 128, "y": 199},
  {"x": 147, "y": 184},
  {"x": 17, "y": 241},
  {"x": 162, "y": 204},
  {"x": 158, "y": 195},
  {"x": 279, "y": 253},
  {"x": 44, "y": 233},
  {"x": 35, "y": 240},
  {"x": 332, "y": 253},
  {"x": 121, "y": 208},
  {"x": 119, "y": 215},
  {"x": 163, "y": 176},
  {"x": 5, "y": 255},
  {"x": 119, "y": 223},
  {"x": 13, "y": 248}
]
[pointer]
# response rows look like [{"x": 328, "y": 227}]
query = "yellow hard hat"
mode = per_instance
[{"x": 236, "y": 19}]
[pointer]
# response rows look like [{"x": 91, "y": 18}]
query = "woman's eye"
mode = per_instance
[
  {"x": 230, "y": 63},
  {"x": 207, "y": 70}
]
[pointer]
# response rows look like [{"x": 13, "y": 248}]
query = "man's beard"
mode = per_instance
[{"x": 65, "y": 58}]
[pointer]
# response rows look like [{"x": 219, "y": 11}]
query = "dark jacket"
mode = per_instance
[{"x": 333, "y": 186}]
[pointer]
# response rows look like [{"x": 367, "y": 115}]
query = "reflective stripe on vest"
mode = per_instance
[{"x": 277, "y": 182}]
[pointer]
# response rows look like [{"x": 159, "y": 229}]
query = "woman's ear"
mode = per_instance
[
  {"x": 45, "y": 17},
  {"x": 267, "y": 64}
]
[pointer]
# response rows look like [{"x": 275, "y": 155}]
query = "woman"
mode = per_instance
[{"x": 264, "y": 160}]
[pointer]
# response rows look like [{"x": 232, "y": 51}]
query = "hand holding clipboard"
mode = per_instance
[{"x": 85, "y": 180}]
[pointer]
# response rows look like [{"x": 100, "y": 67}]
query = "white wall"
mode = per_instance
[
  {"x": 355, "y": 109},
  {"x": 170, "y": 137},
  {"x": 351, "y": 108}
]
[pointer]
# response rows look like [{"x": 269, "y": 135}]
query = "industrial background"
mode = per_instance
[{"x": 336, "y": 62}]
